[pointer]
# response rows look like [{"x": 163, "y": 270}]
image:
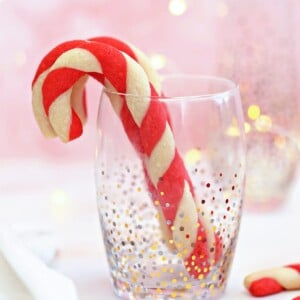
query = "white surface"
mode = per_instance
[
  {"x": 266, "y": 240},
  {"x": 22, "y": 273}
]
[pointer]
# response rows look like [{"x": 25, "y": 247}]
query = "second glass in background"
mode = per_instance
[{"x": 259, "y": 53}]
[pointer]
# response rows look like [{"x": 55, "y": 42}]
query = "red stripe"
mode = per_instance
[
  {"x": 99, "y": 77},
  {"x": 200, "y": 254},
  {"x": 121, "y": 46},
  {"x": 76, "y": 126},
  {"x": 113, "y": 63},
  {"x": 295, "y": 267},
  {"x": 218, "y": 248},
  {"x": 296, "y": 298},
  {"x": 57, "y": 82},
  {"x": 264, "y": 287},
  {"x": 51, "y": 57},
  {"x": 153, "y": 125}
]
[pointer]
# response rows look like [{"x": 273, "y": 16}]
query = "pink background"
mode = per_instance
[{"x": 216, "y": 37}]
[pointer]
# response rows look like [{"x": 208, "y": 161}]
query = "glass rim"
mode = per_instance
[{"x": 232, "y": 87}]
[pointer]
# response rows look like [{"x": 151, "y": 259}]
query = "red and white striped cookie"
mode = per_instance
[
  {"x": 273, "y": 281},
  {"x": 78, "y": 95},
  {"x": 167, "y": 175}
]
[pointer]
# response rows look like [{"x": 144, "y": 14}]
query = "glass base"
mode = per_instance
[{"x": 125, "y": 291}]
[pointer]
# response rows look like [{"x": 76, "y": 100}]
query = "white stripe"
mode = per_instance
[
  {"x": 60, "y": 115},
  {"x": 161, "y": 156},
  {"x": 186, "y": 219},
  {"x": 137, "y": 84},
  {"x": 79, "y": 59},
  {"x": 145, "y": 63},
  {"x": 287, "y": 277}
]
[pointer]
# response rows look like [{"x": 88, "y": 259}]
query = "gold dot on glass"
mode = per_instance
[
  {"x": 253, "y": 112},
  {"x": 185, "y": 278},
  {"x": 214, "y": 277},
  {"x": 139, "y": 189},
  {"x": 138, "y": 289},
  {"x": 263, "y": 123},
  {"x": 173, "y": 294},
  {"x": 154, "y": 246},
  {"x": 233, "y": 131},
  {"x": 247, "y": 127},
  {"x": 156, "y": 202},
  {"x": 174, "y": 280},
  {"x": 164, "y": 284},
  {"x": 188, "y": 286}
]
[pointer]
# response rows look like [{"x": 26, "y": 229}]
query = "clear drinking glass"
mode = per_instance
[
  {"x": 265, "y": 65},
  {"x": 145, "y": 257}
]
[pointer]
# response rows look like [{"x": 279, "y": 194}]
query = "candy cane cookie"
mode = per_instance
[
  {"x": 273, "y": 281},
  {"x": 77, "y": 97},
  {"x": 145, "y": 122}
]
